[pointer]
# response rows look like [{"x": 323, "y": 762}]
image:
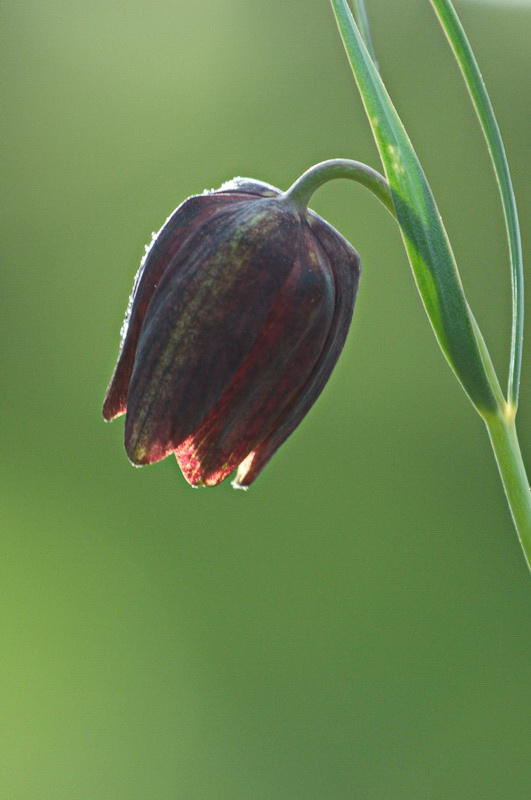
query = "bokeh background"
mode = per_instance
[{"x": 357, "y": 624}]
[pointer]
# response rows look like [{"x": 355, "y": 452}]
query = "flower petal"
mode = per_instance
[
  {"x": 280, "y": 362},
  {"x": 345, "y": 265},
  {"x": 203, "y": 320},
  {"x": 163, "y": 248}
]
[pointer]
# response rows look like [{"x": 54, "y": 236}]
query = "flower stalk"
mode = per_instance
[
  {"x": 500, "y": 423},
  {"x": 504, "y": 439},
  {"x": 429, "y": 251},
  {"x": 301, "y": 191}
]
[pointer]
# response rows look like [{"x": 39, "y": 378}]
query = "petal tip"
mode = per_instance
[
  {"x": 245, "y": 475},
  {"x": 138, "y": 457},
  {"x": 113, "y": 405},
  {"x": 109, "y": 414},
  {"x": 236, "y": 485},
  {"x": 141, "y": 453}
]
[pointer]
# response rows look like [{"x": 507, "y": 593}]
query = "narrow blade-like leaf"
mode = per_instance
[
  {"x": 424, "y": 235},
  {"x": 465, "y": 57}
]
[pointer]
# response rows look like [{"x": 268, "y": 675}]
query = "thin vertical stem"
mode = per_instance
[{"x": 506, "y": 448}]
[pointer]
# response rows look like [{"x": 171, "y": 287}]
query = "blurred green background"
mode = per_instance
[{"x": 357, "y": 624}]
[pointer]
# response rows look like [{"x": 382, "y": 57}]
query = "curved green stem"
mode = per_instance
[
  {"x": 504, "y": 440},
  {"x": 301, "y": 191}
]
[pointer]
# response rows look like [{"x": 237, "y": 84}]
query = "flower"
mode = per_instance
[{"x": 237, "y": 317}]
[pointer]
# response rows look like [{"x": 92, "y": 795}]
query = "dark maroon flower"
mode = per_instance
[{"x": 238, "y": 315}]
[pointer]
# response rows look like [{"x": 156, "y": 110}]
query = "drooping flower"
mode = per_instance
[{"x": 238, "y": 315}]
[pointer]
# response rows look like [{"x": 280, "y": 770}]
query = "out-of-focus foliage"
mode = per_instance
[{"x": 357, "y": 624}]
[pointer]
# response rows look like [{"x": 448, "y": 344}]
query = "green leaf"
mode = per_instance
[
  {"x": 465, "y": 57},
  {"x": 425, "y": 238},
  {"x": 362, "y": 21}
]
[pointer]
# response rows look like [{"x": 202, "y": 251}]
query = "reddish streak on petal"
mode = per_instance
[{"x": 281, "y": 360}]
